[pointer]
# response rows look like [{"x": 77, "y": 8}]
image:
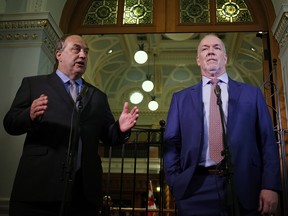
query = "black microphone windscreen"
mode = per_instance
[{"x": 217, "y": 90}]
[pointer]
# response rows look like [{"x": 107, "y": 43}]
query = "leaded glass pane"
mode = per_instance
[
  {"x": 195, "y": 11},
  {"x": 232, "y": 11},
  {"x": 102, "y": 12},
  {"x": 138, "y": 12}
]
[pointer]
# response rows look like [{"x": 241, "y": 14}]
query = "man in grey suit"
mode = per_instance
[
  {"x": 44, "y": 109},
  {"x": 198, "y": 182}
]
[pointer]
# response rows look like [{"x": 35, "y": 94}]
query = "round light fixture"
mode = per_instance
[
  {"x": 147, "y": 85},
  {"x": 153, "y": 105},
  {"x": 179, "y": 36},
  {"x": 140, "y": 57},
  {"x": 136, "y": 97}
]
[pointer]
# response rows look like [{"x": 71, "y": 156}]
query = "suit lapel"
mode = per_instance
[
  {"x": 234, "y": 94},
  {"x": 196, "y": 118},
  {"x": 87, "y": 93},
  {"x": 59, "y": 88},
  {"x": 196, "y": 96}
]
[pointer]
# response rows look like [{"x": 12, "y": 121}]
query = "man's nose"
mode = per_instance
[
  {"x": 211, "y": 51},
  {"x": 83, "y": 53}
]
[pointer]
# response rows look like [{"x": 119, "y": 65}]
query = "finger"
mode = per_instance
[
  {"x": 260, "y": 205},
  {"x": 134, "y": 111},
  {"x": 125, "y": 107},
  {"x": 38, "y": 106}
]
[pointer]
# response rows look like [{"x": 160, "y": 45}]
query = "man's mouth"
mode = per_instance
[
  {"x": 211, "y": 60},
  {"x": 81, "y": 63}
]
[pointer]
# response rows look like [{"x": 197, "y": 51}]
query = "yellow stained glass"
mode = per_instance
[
  {"x": 232, "y": 11},
  {"x": 138, "y": 12},
  {"x": 195, "y": 11},
  {"x": 102, "y": 12}
]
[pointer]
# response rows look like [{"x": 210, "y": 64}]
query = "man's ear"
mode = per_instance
[
  {"x": 58, "y": 54},
  {"x": 197, "y": 60}
]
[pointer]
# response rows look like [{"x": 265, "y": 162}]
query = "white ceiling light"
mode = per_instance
[
  {"x": 179, "y": 36},
  {"x": 153, "y": 105},
  {"x": 147, "y": 85},
  {"x": 136, "y": 97},
  {"x": 141, "y": 56}
]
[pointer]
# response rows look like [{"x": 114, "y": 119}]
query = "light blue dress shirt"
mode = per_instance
[{"x": 65, "y": 79}]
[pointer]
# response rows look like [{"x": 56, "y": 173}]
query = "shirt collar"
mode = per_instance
[
  {"x": 223, "y": 78},
  {"x": 66, "y": 79}
]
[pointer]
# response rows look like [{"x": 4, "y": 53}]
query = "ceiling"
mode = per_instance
[{"x": 171, "y": 64}]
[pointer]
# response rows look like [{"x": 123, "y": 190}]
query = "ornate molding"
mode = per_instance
[
  {"x": 36, "y": 5},
  {"x": 281, "y": 33},
  {"x": 152, "y": 118},
  {"x": 280, "y": 26},
  {"x": 36, "y": 29}
]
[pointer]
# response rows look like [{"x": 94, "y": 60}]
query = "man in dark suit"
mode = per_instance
[
  {"x": 200, "y": 184},
  {"x": 48, "y": 177}
]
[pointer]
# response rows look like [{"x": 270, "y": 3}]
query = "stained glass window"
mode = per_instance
[
  {"x": 195, "y": 11},
  {"x": 138, "y": 12},
  {"x": 232, "y": 11},
  {"x": 102, "y": 12}
]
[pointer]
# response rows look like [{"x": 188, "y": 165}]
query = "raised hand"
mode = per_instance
[{"x": 128, "y": 119}]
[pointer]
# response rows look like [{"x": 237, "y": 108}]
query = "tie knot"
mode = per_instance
[
  {"x": 214, "y": 81},
  {"x": 72, "y": 82}
]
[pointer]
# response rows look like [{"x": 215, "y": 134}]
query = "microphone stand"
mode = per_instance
[
  {"x": 227, "y": 169},
  {"x": 69, "y": 165}
]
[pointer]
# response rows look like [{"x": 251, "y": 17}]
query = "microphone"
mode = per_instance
[
  {"x": 217, "y": 91},
  {"x": 82, "y": 93},
  {"x": 79, "y": 104}
]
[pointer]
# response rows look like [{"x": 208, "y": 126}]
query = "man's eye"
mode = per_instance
[
  {"x": 86, "y": 50},
  {"x": 76, "y": 49}
]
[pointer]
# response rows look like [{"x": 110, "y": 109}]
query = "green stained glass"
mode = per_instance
[
  {"x": 232, "y": 11},
  {"x": 195, "y": 11},
  {"x": 138, "y": 12},
  {"x": 102, "y": 12}
]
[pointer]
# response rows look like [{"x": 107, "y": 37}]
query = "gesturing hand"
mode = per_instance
[
  {"x": 128, "y": 119},
  {"x": 38, "y": 107}
]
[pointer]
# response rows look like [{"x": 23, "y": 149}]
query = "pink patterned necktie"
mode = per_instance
[{"x": 215, "y": 126}]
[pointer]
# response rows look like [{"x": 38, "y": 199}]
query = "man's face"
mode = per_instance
[
  {"x": 211, "y": 57},
  {"x": 73, "y": 57}
]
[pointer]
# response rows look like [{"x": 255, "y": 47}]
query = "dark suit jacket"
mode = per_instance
[
  {"x": 252, "y": 142},
  {"x": 40, "y": 173}
]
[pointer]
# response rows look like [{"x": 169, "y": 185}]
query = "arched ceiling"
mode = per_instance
[{"x": 171, "y": 62}]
